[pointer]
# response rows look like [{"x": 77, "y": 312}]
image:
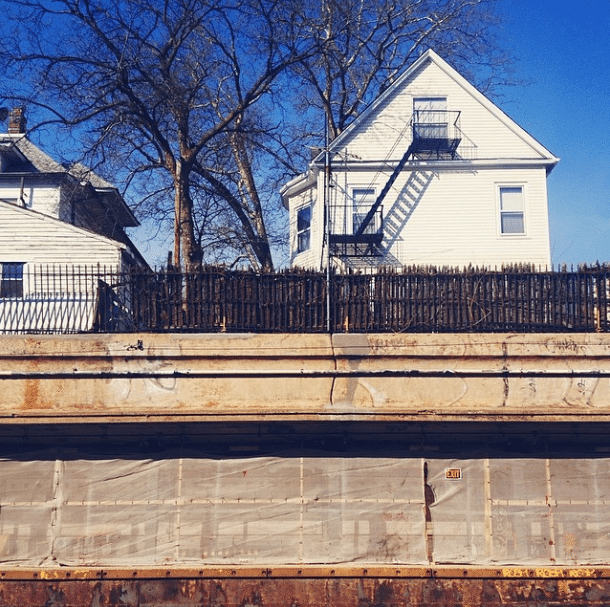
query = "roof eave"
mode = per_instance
[
  {"x": 120, "y": 207},
  {"x": 298, "y": 184}
]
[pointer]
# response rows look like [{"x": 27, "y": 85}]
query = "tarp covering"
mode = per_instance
[
  {"x": 303, "y": 509},
  {"x": 185, "y": 510},
  {"x": 521, "y": 511}
]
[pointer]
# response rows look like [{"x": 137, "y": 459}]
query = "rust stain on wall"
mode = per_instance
[{"x": 31, "y": 394}]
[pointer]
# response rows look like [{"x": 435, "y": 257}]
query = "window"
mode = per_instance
[
  {"x": 12, "y": 280},
  {"x": 303, "y": 229},
  {"x": 511, "y": 210},
  {"x": 430, "y": 117},
  {"x": 364, "y": 198}
]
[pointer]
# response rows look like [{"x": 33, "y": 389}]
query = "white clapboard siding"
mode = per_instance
[
  {"x": 309, "y": 258},
  {"x": 456, "y": 220},
  {"x": 62, "y": 267},
  {"x": 384, "y": 133},
  {"x": 39, "y": 197},
  {"x": 34, "y": 238}
]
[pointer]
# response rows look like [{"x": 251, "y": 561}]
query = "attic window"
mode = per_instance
[
  {"x": 430, "y": 117},
  {"x": 12, "y": 280}
]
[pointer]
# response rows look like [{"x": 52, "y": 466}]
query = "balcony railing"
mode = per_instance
[
  {"x": 436, "y": 132},
  {"x": 345, "y": 221}
]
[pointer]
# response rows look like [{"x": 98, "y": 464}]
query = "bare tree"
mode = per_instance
[
  {"x": 217, "y": 101},
  {"x": 158, "y": 84},
  {"x": 368, "y": 44}
]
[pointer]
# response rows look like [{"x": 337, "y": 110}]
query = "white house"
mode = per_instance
[
  {"x": 59, "y": 226},
  {"x": 432, "y": 173}
]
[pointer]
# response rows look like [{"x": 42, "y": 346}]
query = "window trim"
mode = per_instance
[
  {"x": 356, "y": 213},
  {"x": 303, "y": 233},
  {"x": 435, "y": 125},
  {"x": 501, "y": 214}
]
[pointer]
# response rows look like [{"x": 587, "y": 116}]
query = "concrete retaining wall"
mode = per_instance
[{"x": 220, "y": 377}]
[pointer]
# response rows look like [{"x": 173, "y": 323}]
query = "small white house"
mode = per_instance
[
  {"x": 61, "y": 229},
  {"x": 432, "y": 173}
]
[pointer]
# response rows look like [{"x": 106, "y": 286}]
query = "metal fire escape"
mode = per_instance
[{"x": 436, "y": 136}]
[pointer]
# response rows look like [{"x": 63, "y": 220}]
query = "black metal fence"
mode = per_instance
[{"x": 74, "y": 300}]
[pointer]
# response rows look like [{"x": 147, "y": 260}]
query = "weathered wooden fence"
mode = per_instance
[
  {"x": 417, "y": 300},
  {"x": 216, "y": 300}
]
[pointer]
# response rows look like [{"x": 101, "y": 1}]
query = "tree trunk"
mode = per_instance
[{"x": 187, "y": 253}]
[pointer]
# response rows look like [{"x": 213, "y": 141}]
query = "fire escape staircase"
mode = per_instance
[{"x": 432, "y": 140}]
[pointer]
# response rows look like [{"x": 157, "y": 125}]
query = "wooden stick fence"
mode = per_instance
[{"x": 416, "y": 300}]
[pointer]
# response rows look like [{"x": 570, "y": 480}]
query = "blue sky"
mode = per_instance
[{"x": 563, "y": 51}]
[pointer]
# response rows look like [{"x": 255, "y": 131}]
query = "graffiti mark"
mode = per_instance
[
  {"x": 569, "y": 544},
  {"x": 547, "y": 572}
]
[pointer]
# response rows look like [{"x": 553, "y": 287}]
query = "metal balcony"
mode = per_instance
[
  {"x": 346, "y": 237},
  {"x": 436, "y": 134}
]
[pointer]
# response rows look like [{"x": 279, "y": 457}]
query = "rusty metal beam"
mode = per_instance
[
  {"x": 307, "y": 592},
  {"x": 581, "y": 572}
]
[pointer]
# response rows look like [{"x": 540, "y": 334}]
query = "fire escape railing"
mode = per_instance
[{"x": 436, "y": 135}]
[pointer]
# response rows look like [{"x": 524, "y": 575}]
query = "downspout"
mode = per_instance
[{"x": 21, "y": 191}]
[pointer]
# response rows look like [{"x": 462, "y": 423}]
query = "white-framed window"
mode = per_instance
[
  {"x": 512, "y": 209},
  {"x": 303, "y": 228},
  {"x": 363, "y": 200},
  {"x": 11, "y": 284},
  {"x": 430, "y": 117}
]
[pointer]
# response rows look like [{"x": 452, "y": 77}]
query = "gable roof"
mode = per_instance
[
  {"x": 58, "y": 224},
  {"x": 431, "y": 57}
]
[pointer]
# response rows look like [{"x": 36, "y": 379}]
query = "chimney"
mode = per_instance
[{"x": 16, "y": 121}]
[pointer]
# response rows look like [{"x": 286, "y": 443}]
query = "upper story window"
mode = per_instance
[
  {"x": 512, "y": 210},
  {"x": 12, "y": 280},
  {"x": 303, "y": 229},
  {"x": 364, "y": 198},
  {"x": 14, "y": 191},
  {"x": 430, "y": 117}
]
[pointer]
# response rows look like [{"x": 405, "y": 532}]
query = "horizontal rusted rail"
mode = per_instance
[
  {"x": 265, "y": 591},
  {"x": 308, "y": 571}
]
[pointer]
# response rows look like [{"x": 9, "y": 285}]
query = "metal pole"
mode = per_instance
[{"x": 327, "y": 226}]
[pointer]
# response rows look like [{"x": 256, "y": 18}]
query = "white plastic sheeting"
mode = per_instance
[
  {"x": 310, "y": 509},
  {"x": 196, "y": 510},
  {"x": 520, "y": 511}
]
